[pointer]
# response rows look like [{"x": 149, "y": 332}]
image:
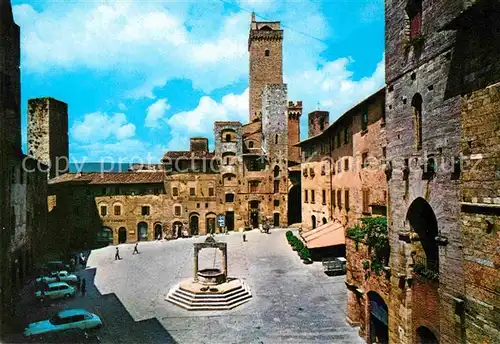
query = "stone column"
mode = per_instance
[
  {"x": 195, "y": 265},
  {"x": 224, "y": 261}
]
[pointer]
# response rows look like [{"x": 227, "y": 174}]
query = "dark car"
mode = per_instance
[
  {"x": 69, "y": 336},
  {"x": 54, "y": 266}
]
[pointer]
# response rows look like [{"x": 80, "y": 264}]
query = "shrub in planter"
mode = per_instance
[{"x": 304, "y": 253}]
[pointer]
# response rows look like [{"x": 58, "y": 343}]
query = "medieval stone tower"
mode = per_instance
[
  {"x": 265, "y": 43},
  {"x": 318, "y": 121},
  {"x": 48, "y": 133}
]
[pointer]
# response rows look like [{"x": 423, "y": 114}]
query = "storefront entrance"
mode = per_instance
[{"x": 254, "y": 214}]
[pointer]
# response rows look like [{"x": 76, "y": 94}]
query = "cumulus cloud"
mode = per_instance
[
  {"x": 156, "y": 112},
  {"x": 199, "y": 121},
  {"x": 99, "y": 126}
]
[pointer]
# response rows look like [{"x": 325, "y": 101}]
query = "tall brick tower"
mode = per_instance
[
  {"x": 265, "y": 44},
  {"x": 294, "y": 113},
  {"x": 318, "y": 121},
  {"x": 48, "y": 133}
]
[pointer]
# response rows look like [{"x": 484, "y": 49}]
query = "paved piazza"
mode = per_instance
[{"x": 291, "y": 303}]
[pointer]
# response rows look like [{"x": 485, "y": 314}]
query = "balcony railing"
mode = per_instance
[{"x": 426, "y": 268}]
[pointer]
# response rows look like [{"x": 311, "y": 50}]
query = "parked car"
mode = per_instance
[
  {"x": 334, "y": 265},
  {"x": 55, "y": 265},
  {"x": 68, "y": 336},
  {"x": 64, "y": 320},
  {"x": 59, "y": 276},
  {"x": 55, "y": 290}
]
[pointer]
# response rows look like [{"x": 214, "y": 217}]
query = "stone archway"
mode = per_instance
[
  {"x": 379, "y": 319},
  {"x": 194, "y": 224},
  {"x": 294, "y": 205},
  {"x": 158, "y": 231},
  {"x": 122, "y": 235},
  {"x": 177, "y": 228},
  {"x": 423, "y": 222},
  {"x": 426, "y": 336},
  {"x": 142, "y": 231},
  {"x": 211, "y": 224}
]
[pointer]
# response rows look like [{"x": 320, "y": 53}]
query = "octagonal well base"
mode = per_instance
[{"x": 192, "y": 295}]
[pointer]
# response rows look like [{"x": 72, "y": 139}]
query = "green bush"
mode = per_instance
[
  {"x": 304, "y": 253},
  {"x": 289, "y": 234}
]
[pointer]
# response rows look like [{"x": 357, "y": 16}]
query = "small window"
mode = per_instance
[
  {"x": 210, "y": 192},
  {"x": 104, "y": 210},
  {"x": 339, "y": 166},
  {"x": 346, "y": 199},
  {"x": 414, "y": 11},
  {"x": 333, "y": 198},
  {"x": 197, "y": 205},
  {"x": 276, "y": 139},
  {"x": 228, "y": 137},
  {"x": 312, "y": 196},
  {"x": 306, "y": 194},
  {"x": 250, "y": 144},
  {"x": 364, "y": 119},
  {"x": 175, "y": 192},
  {"x": 177, "y": 210},
  {"x": 276, "y": 186},
  {"x": 339, "y": 198},
  {"x": 254, "y": 185},
  {"x": 323, "y": 170},
  {"x": 338, "y": 139},
  {"x": 206, "y": 205},
  {"x": 192, "y": 191},
  {"x": 145, "y": 210},
  {"x": 323, "y": 196},
  {"x": 346, "y": 135},
  {"x": 276, "y": 202},
  {"x": 117, "y": 210},
  {"x": 267, "y": 52},
  {"x": 229, "y": 198},
  {"x": 364, "y": 160},
  {"x": 366, "y": 200},
  {"x": 321, "y": 125},
  {"x": 346, "y": 164}
]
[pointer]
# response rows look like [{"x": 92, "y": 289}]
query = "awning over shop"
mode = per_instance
[{"x": 329, "y": 234}]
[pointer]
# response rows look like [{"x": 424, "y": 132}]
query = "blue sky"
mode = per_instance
[{"x": 140, "y": 78}]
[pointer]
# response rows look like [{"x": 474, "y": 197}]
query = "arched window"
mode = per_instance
[
  {"x": 416, "y": 103},
  {"x": 276, "y": 139},
  {"x": 276, "y": 171},
  {"x": 267, "y": 52},
  {"x": 250, "y": 144},
  {"x": 414, "y": 12}
]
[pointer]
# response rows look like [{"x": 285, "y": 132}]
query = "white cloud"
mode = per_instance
[
  {"x": 156, "y": 112},
  {"x": 99, "y": 126},
  {"x": 199, "y": 121}
]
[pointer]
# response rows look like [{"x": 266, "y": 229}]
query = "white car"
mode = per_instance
[
  {"x": 56, "y": 290},
  {"x": 64, "y": 320},
  {"x": 60, "y": 276}
]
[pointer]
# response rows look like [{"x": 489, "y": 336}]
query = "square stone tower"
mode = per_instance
[
  {"x": 48, "y": 133},
  {"x": 265, "y": 45}
]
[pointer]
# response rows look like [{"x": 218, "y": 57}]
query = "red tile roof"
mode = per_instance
[
  {"x": 188, "y": 155},
  {"x": 110, "y": 178}
]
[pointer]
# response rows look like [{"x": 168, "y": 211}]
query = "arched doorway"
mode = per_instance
[
  {"x": 276, "y": 219},
  {"x": 423, "y": 222},
  {"x": 158, "y": 231},
  {"x": 210, "y": 223},
  {"x": 379, "y": 329},
  {"x": 254, "y": 214},
  {"x": 194, "y": 224},
  {"x": 313, "y": 221},
  {"x": 122, "y": 235},
  {"x": 294, "y": 205},
  {"x": 142, "y": 231},
  {"x": 425, "y": 336},
  {"x": 177, "y": 228},
  {"x": 324, "y": 220}
]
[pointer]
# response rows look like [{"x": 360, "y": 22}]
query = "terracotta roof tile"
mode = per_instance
[
  {"x": 110, "y": 178},
  {"x": 189, "y": 155}
]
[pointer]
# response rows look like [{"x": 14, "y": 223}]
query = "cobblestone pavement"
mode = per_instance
[{"x": 291, "y": 303}]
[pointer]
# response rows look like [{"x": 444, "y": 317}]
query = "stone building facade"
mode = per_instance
[
  {"x": 343, "y": 169},
  {"x": 441, "y": 72},
  {"x": 48, "y": 133},
  {"x": 23, "y": 181}
]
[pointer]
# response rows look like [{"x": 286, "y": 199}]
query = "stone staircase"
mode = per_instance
[{"x": 210, "y": 301}]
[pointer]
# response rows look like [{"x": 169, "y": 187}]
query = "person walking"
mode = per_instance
[
  {"x": 84, "y": 287},
  {"x": 135, "y": 249},
  {"x": 244, "y": 237},
  {"x": 117, "y": 254}
]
